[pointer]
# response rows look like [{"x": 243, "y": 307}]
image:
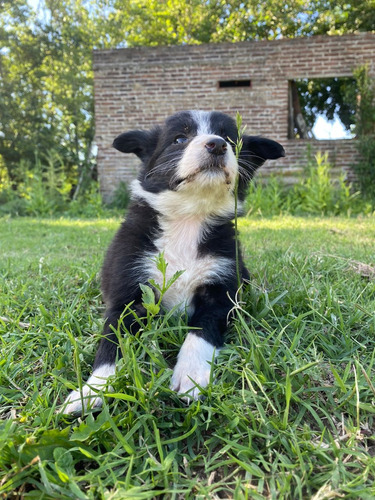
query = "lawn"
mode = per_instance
[{"x": 291, "y": 412}]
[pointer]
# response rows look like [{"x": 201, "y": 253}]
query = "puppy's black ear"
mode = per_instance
[
  {"x": 256, "y": 150},
  {"x": 141, "y": 143}
]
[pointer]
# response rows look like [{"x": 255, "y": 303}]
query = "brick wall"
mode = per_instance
[{"x": 140, "y": 87}]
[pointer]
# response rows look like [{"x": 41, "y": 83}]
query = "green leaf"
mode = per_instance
[
  {"x": 89, "y": 427},
  {"x": 148, "y": 300},
  {"x": 46, "y": 445}
]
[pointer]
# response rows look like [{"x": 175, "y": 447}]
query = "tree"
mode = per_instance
[
  {"x": 342, "y": 16},
  {"x": 46, "y": 97},
  {"x": 168, "y": 22},
  {"x": 365, "y": 129},
  {"x": 24, "y": 125}
]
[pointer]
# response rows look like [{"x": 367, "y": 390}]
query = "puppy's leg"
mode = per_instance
[
  {"x": 104, "y": 367},
  {"x": 201, "y": 346}
]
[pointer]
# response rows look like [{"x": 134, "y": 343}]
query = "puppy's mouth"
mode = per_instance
[
  {"x": 213, "y": 164},
  {"x": 213, "y": 169}
]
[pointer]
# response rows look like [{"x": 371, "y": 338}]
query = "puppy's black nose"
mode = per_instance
[{"x": 216, "y": 146}]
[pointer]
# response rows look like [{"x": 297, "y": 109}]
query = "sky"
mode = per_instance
[{"x": 324, "y": 129}]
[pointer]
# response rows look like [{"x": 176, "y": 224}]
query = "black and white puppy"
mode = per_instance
[{"x": 182, "y": 205}]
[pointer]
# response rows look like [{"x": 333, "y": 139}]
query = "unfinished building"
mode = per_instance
[{"x": 137, "y": 88}]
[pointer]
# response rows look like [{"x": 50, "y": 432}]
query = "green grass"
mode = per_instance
[{"x": 291, "y": 414}]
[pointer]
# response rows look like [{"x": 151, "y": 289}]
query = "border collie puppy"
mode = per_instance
[{"x": 182, "y": 206}]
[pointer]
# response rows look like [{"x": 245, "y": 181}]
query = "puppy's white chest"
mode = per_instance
[{"x": 179, "y": 243}]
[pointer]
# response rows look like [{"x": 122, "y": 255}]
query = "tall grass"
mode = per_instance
[
  {"x": 317, "y": 193},
  {"x": 44, "y": 188}
]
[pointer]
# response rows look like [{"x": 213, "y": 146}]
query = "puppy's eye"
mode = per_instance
[{"x": 180, "y": 139}]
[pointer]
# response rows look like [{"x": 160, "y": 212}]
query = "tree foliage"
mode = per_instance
[
  {"x": 46, "y": 97},
  {"x": 151, "y": 22},
  {"x": 365, "y": 127},
  {"x": 46, "y": 78}
]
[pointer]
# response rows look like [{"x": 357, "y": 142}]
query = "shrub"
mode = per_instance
[
  {"x": 45, "y": 188},
  {"x": 365, "y": 131},
  {"x": 266, "y": 199},
  {"x": 318, "y": 193},
  {"x": 121, "y": 197},
  {"x": 88, "y": 204}
]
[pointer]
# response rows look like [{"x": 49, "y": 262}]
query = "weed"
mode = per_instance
[
  {"x": 121, "y": 196},
  {"x": 317, "y": 193}
]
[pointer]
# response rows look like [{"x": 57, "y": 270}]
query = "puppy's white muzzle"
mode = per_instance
[{"x": 208, "y": 155}]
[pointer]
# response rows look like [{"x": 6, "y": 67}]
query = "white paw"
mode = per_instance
[
  {"x": 73, "y": 403},
  {"x": 193, "y": 366},
  {"x": 89, "y": 397}
]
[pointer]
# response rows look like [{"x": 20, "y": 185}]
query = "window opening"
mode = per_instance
[
  {"x": 228, "y": 84},
  {"x": 322, "y": 108}
]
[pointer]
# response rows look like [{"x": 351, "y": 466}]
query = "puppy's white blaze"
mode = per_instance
[
  {"x": 193, "y": 365},
  {"x": 202, "y": 119},
  {"x": 96, "y": 382}
]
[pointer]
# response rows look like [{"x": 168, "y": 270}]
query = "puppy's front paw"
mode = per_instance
[
  {"x": 73, "y": 403},
  {"x": 193, "y": 366},
  {"x": 185, "y": 380},
  {"x": 90, "y": 399}
]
